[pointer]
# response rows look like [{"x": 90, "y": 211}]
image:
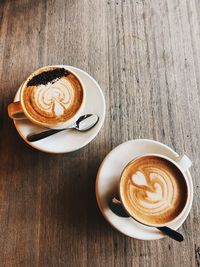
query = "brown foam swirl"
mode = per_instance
[
  {"x": 157, "y": 195},
  {"x": 151, "y": 190},
  {"x": 54, "y": 102}
]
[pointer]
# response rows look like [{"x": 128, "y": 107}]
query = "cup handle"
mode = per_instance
[
  {"x": 117, "y": 207},
  {"x": 15, "y": 111},
  {"x": 184, "y": 162}
]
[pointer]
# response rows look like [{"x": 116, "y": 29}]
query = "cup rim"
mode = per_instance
[
  {"x": 58, "y": 125},
  {"x": 183, "y": 175}
]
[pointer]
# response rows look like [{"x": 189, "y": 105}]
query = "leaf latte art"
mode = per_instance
[
  {"x": 54, "y": 100},
  {"x": 153, "y": 190}
]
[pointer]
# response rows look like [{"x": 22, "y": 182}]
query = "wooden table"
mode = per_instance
[{"x": 145, "y": 54}]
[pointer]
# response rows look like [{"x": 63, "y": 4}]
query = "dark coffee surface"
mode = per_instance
[{"x": 47, "y": 76}]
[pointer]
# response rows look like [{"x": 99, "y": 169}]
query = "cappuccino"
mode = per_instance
[
  {"x": 153, "y": 190},
  {"x": 52, "y": 96}
]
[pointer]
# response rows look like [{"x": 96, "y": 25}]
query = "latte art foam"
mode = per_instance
[
  {"x": 153, "y": 190},
  {"x": 55, "y": 99}
]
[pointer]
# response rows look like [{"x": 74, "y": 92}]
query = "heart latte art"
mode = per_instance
[
  {"x": 153, "y": 190},
  {"x": 52, "y": 96}
]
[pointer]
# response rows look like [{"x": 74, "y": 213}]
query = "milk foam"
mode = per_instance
[
  {"x": 157, "y": 194},
  {"x": 53, "y": 98},
  {"x": 152, "y": 190}
]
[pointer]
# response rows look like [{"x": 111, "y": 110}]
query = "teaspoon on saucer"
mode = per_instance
[
  {"x": 116, "y": 206},
  {"x": 83, "y": 124}
]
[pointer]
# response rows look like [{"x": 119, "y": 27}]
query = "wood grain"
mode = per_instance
[{"x": 145, "y": 54}]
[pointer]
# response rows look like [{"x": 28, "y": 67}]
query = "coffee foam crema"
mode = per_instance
[
  {"x": 153, "y": 190},
  {"x": 52, "y": 96}
]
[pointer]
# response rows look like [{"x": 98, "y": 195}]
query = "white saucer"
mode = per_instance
[
  {"x": 68, "y": 141},
  {"x": 107, "y": 184}
]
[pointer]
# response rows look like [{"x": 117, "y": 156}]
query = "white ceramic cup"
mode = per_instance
[
  {"x": 182, "y": 163},
  {"x": 17, "y": 110}
]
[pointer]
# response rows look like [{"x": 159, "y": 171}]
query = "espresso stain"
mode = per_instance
[{"x": 47, "y": 76}]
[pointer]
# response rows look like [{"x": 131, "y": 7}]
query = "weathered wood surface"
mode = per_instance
[{"x": 145, "y": 54}]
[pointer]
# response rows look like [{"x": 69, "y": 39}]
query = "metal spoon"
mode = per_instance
[
  {"x": 84, "y": 123},
  {"x": 116, "y": 206}
]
